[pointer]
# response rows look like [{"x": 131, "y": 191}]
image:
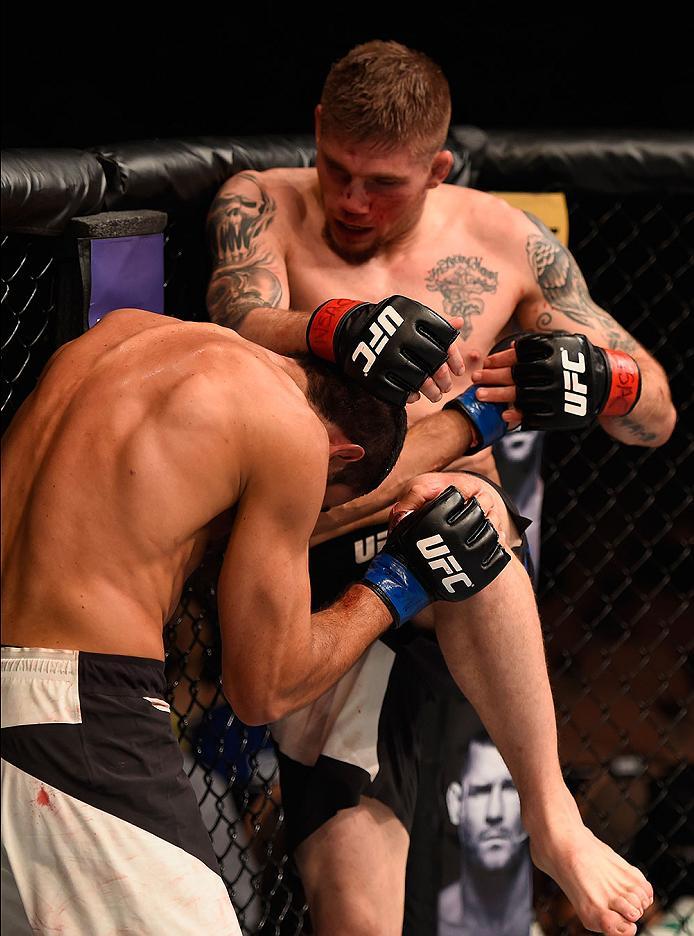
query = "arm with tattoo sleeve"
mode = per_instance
[
  {"x": 249, "y": 273},
  {"x": 561, "y": 301}
]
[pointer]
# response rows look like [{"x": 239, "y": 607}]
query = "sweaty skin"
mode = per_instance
[
  {"x": 368, "y": 222},
  {"x": 145, "y": 438}
]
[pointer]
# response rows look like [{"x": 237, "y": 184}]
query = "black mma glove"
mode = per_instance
[
  {"x": 390, "y": 347},
  {"x": 445, "y": 551},
  {"x": 565, "y": 382}
]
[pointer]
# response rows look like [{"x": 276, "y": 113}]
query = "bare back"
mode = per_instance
[{"x": 132, "y": 448}]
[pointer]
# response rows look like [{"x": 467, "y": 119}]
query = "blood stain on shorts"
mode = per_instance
[{"x": 43, "y": 799}]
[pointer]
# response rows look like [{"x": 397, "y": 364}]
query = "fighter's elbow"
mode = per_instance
[
  {"x": 664, "y": 424},
  {"x": 253, "y": 705},
  {"x": 251, "y": 712},
  {"x": 661, "y": 429},
  {"x": 667, "y": 426}
]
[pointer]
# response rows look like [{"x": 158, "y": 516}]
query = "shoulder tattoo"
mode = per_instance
[{"x": 238, "y": 218}]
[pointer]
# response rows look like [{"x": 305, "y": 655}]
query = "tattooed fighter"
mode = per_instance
[{"x": 375, "y": 217}]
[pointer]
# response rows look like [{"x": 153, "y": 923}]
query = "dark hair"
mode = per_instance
[
  {"x": 377, "y": 426},
  {"x": 481, "y": 737},
  {"x": 384, "y": 92}
]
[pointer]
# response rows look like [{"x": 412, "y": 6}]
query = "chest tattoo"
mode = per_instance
[{"x": 462, "y": 281}]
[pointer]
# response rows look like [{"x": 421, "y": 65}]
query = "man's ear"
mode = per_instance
[
  {"x": 440, "y": 168},
  {"x": 454, "y": 798},
  {"x": 316, "y": 121},
  {"x": 346, "y": 451}
]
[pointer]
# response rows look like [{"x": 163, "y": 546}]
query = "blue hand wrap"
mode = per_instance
[
  {"x": 485, "y": 417},
  {"x": 397, "y": 587}
]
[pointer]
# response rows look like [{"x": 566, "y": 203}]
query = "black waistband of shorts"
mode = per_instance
[{"x": 112, "y": 674}]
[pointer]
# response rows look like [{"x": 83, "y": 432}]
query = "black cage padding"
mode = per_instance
[
  {"x": 43, "y": 189},
  {"x": 615, "y": 162}
]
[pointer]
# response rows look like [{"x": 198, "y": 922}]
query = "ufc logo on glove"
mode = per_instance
[
  {"x": 434, "y": 547},
  {"x": 381, "y": 330},
  {"x": 565, "y": 382},
  {"x": 575, "y": 397},
  {"x": 407, "y": 574},
  {"x": 360, "y": 337}
]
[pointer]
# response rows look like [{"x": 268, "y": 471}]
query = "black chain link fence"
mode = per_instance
[
  {"x": 615, "y": 589},
  {"x": 28, "y": 311},
  {"x": 616, "y": 572}
]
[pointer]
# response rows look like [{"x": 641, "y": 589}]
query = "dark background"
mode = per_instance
[{"x": 79, "y": 75}]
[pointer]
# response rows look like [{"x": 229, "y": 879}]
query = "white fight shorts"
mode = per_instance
[{"x": 101, "y": 831}]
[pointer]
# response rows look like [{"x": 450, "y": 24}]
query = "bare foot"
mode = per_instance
[{"x": 608, "y": 894}]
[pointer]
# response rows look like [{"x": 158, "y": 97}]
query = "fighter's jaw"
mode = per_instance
[
  {"x": 354, "y": 246},
  {"x": 350, "y": 230},
  {"x": 336, "y": 495}
]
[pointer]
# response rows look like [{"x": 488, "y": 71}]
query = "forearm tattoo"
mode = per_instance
[
  {"x": 462, "y": 282},
  {"x": 564, "y": 288},
  {"x": 233, "y": 293},
  {"x": 242, "y": 279},
  {"x": 636, "y": 429}
]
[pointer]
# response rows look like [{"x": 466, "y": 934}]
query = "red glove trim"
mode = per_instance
[
  {"x": 625, "y": 388},
  {"x": 323, "y": 324}
]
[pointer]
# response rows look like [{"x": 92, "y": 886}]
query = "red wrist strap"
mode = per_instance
[
  {"x": 625, "y": 387},
  {"x": 324, "y": 322}
]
